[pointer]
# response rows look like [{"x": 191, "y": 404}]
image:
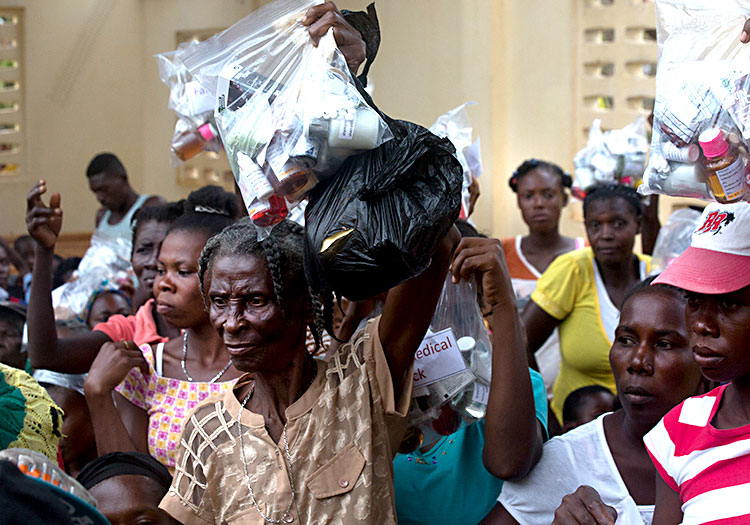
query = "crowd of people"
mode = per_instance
[{"x": 212, "y": 384}]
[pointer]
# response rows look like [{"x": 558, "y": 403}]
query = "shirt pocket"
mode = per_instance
[{"x": 338, "y": 475}]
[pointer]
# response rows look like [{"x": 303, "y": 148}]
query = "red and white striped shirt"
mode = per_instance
[{"x": 709, "y": 467}]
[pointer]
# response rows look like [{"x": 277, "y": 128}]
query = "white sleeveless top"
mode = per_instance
[{"x": 120, "y": 230}]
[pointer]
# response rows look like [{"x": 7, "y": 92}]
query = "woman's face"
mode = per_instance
[
  {"x": 105, "y": 306},
  {"x": 651, "y": 359},
  {"x": 541, "y": 199},
  {"x": 611, "y": 226},
  {"x": 176, "y": 287},
  {"x": 241, "y": 305},
  {"x": 129, "y": 499},
  {"x": 719, "y": 328},
  {"x": 146, "y": 249}
]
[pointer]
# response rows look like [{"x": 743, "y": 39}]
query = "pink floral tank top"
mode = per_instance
[{"x": 167, "y": 401}]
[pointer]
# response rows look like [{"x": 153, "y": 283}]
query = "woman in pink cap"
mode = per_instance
[{"x": 701, "y": 448}]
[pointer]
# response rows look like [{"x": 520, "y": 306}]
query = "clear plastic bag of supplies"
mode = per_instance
[
  {"x": 289, "y": 113},
  {"x": 455, "y": 126},
  {"x": 674, "y": 238},
  {"x": 452, "y": 367},
  {"x": 195, "y": 129},
  {"x": 105, "y": 260},
  {"x": 614, "y": 156},
  {"x": 702, "y": 109}
]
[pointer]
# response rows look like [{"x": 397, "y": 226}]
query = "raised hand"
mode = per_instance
[
  {"x": 584, "y": 506},
  {"x": 112, "y": 365},
  {"x": 476, "y": 255},
  {"x": 320, "y": 18},
  {"x": 43, "y": 222}
]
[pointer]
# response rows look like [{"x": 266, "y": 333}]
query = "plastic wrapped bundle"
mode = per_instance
[
  {"x": 289, "y": 113},
  {"x": 616, "y": 156},
  {"x": 452, "y": 367},
  {"x": 702, "y": 111},
  {"x": 674, "y": 238},
  {"x": 378, "y": 222},
  {"x": 455, "y": 126},
  {"x": 195, "y": 130}
]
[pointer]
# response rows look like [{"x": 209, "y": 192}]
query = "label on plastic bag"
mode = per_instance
[
  {"x": 481, "y": 393},
  {"x": 199, "y": 99},
  {"x": 438, "y": 357}
]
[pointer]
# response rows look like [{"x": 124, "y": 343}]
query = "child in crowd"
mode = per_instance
[
  {"x": 701, "y": 448},
  {"x": 105, "y": 302},
  {"x": 586, "y": 404}
]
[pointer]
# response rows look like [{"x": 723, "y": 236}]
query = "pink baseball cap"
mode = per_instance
[{"x": 718, "y": 259}]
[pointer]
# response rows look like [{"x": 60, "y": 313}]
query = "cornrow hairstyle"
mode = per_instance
[
  {"x": 107, "y": 163},
  {"x": 612, "y": 191},
  {"x": 566, "y": 181},
  {"x": 209, "y": 209},
  {"x": 283, "y": 251}
]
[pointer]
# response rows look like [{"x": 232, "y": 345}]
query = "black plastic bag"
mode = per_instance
[{"x": 378, "y": 221}]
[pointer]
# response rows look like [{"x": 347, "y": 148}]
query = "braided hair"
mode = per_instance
[
  {"x": 611, "y": 191},
  {"x": 566, "y": 181},
  {"x": 209, "y": 209},
  {"x": 283, "y": 251}
]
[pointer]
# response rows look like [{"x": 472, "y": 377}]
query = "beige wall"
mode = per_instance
[{"x": 512, "y": 58}]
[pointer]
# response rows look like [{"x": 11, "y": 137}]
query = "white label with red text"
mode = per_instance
[{"x": 438, "y": 357}]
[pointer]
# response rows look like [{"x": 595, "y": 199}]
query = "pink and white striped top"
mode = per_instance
[{"x": 709, "y": 467}]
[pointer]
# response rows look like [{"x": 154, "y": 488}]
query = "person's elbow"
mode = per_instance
[{"x": 512, "y": 463}]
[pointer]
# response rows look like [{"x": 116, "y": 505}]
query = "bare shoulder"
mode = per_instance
[{"x": 155, "y": 200}]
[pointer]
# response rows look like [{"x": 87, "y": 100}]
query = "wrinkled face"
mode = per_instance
[
  {"x": 146, "y": 250},
  {"x": 105, "y": 306},
  {"x": 651, "y": 359},
  {"x": 4, "y": 268},
  {"x": 110, "y": 190},
  {"x": 541, "y": 199},
  {"x": 719, "y": 328},
  {"x": 611, "y": 226},
  {"x": 241, "y": 305},
  {"x": 176, "y": 287},
  {"x": 131, "y": 499}
]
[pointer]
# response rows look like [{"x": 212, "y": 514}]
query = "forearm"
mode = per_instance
[
  {"x": 409, "y": 308},
  {"x": 109, "y": 430},
  {"x": 513, "y": 437},
  {"x": 40, "y": 318}
]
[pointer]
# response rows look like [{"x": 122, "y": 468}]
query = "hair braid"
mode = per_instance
[
  {"x": 317, "y": 324},
  {"x": 275, "y": 262}
]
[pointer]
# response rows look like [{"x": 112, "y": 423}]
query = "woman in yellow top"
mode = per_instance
[{"x": 581, "y": 292}]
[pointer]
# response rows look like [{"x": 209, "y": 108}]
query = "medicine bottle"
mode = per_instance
[
  {"x": 724, "y": 167},
  {"x": 192, "y": 141}
]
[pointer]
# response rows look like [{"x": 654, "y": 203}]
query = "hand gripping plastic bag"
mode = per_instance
[
  {"x": 452, "y": 367},
  {"x": 702, "y": 109},
  {"x": 288, "y": 112},
  {"x": 378, "y": 222},
  {"x": 195, "y": 130},
  {"x": 456, "y": 127}
]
